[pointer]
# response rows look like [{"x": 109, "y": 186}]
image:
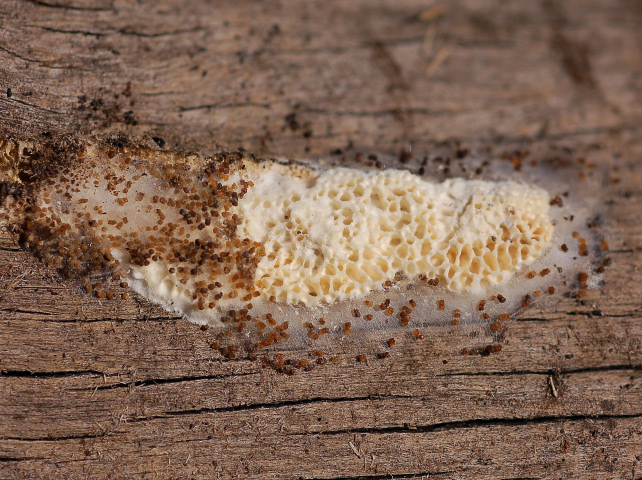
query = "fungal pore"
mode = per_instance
[{"x": 344, "y": 233}]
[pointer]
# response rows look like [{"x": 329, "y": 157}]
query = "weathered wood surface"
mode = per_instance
[{"x": 122, "y": 390}]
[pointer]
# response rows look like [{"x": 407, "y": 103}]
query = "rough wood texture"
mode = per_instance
[{"x": 121, "y": 390}]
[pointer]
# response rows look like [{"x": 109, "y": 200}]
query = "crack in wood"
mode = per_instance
[
  {"x": 42, "y": 64},
  {"x": 601, "y": 368},
  {"x": 587, "y": 314},
  {"x": 81, "y": 321},
  {"x": 222, "y": 106},
  {"x": 152, "y": 382},
  {"x": 57, "y": 438},
  {"x": 19, "y": 459},
  {"x": 25, "y": 311},
  {"x": 123, "y": 31},
  {"x": 33, "y": 105},
  {"x": 42, "y": 3},
  {"x": 164, "y": 381},
  {"x": 468, "y": 424},
  {"x": 426, "y": 475},
  {"x": 58, "y": 374}
]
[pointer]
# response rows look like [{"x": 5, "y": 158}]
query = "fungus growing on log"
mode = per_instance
[{"x": 267, "y": 249}]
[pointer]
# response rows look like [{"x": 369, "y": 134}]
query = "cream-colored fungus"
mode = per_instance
[
  {"x": 272, "y": 251},
  {"x": 346, "y": 232},
  {"x": 295, "y": 236}
]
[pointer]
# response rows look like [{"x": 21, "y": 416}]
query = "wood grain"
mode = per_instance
[{"x": 92, "y": 389}]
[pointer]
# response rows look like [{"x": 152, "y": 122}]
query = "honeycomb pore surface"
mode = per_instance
[{"x": 348, "y": 232}]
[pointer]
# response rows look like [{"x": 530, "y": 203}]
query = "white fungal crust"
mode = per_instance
[
  {"x": 348, "y": 232},
  {"x": 270, "y": 251},
  {"x": 210, "y": 235}
]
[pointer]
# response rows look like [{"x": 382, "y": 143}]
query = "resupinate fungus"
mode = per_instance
[{"x": 268, "y": 252}]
